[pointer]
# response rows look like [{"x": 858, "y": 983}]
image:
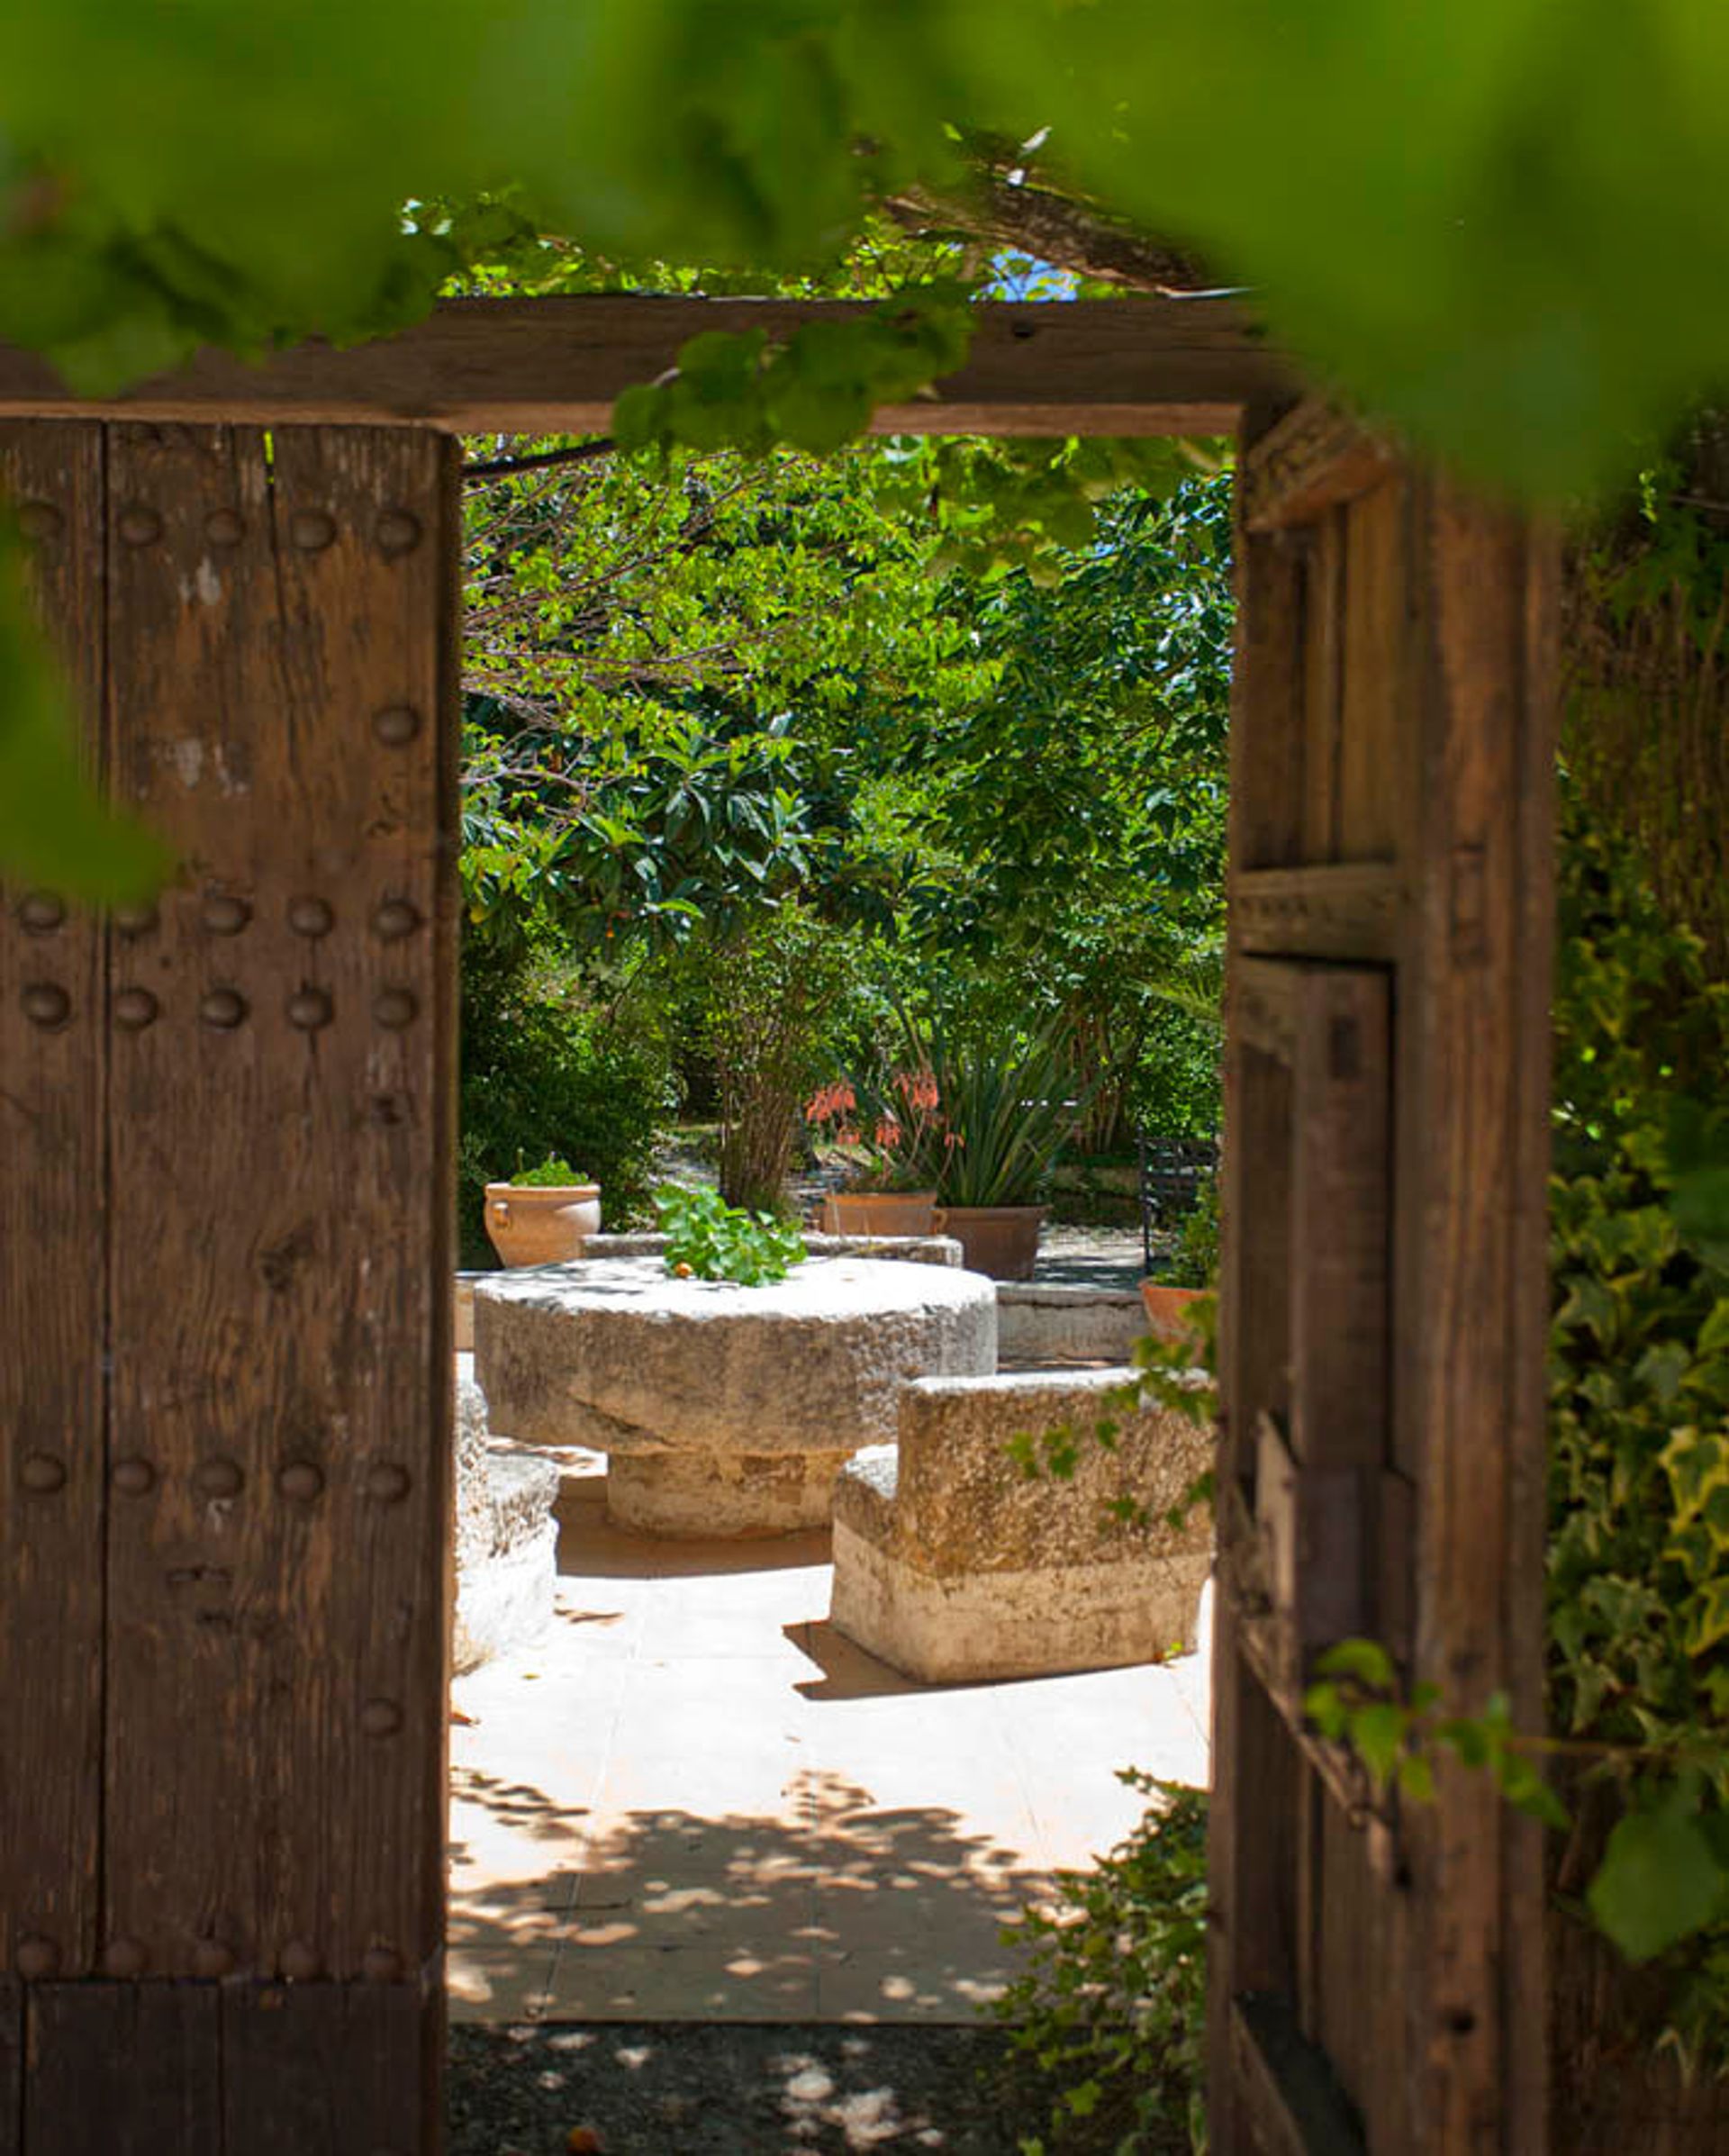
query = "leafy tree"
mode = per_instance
[
  {"x": 1080, "y": 808},
  {"x": 1423, "y": 197}
]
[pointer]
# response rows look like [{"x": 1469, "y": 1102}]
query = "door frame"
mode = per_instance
[{"x": 1161, "y": 367}]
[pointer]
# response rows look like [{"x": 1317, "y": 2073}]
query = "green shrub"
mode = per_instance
[
  {"x": 774, "y": 993},
  {"x": 1106, "y": 2019},
  {"x": 1196, "y": 1262},
  {"x": 707, "y": 1237},
  {"x": 545, "y": 1073},
  {"x": 553, "y": 1175}
]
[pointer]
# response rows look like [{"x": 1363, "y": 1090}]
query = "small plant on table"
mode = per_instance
[{"x": 709, "y": 1239}]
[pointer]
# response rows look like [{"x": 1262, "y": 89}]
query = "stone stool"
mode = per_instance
[{"x": 955, "y": 1567}]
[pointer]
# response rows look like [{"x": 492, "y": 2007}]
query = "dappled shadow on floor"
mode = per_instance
[
  {"x": 837, "y": 1909},
  {"x": 647, "y": 2089}
]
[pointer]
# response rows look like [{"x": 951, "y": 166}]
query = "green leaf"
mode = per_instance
[
  {"x": 54, "y": 829},
  {"x": 1365, "y": 1659},
  {"x": 1377, "y": 1733},
  {"x": 1659, "y": 1881}
]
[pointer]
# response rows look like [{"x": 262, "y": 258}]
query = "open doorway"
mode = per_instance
[{"x": 786, "y": 783}]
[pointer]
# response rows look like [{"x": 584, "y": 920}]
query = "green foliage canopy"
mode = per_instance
[
  {"x": 1428, "y": 195},
  {"x": 1424, "y": 195}
]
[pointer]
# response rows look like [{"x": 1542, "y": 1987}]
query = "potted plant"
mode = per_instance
[
  {"x": 1008, "y": 1111},
  {"x": 886, "y": 1136},
  {"x": 1191, "y": 1273},
  {"x": 542, "y": 1216}
]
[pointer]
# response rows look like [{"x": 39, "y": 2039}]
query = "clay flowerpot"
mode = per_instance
[
  {"x": 541, "y": 1227},
  {"x": 879, "y": 1212},
  {"x": 1000, "y": 1241},
  {"x": 1166, "y": 1308}
]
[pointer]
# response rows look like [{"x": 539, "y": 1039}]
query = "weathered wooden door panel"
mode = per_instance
[
  {"x": 52, "y": 1495},
  {"x": 267, "y": 1302},
  {"x": 1378, "y": 1978},
  {"x": 124, "y": 2070}
]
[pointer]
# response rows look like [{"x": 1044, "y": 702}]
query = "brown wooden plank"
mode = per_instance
[
  {"x": 1312, "y": 460},
  {"x": 1267, "y": 701},
  {"x": 1340, "y": 1206},
  {"x": 1472, "y": 1123},
  {"x": 1526, "y": 1982},
  {"x": 327, "y": 2069},
  {"x": 282, "y": 692},
  {"x": 1134, "y": 366},
  {"x": 124, "y": 2070},
  {"x": 1262, "y": 1004},
  {"x": 1348, "y": 911},
  {"x": 53, "y": 1029},
  {"x": 1253, "y": 1827},
  {"x": 1323, "y": 688},
  {"x": 1294, "y": 2105},
  {"x": 1375, "y": 748},
  {"x": 11, "y": 2064},
  {"x": 1364, "y": 1952}
]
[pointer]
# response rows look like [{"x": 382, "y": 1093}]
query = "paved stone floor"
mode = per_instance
[
  {"x": 693, "y": 1800},
  {"x": 1092, "y": 1257}
]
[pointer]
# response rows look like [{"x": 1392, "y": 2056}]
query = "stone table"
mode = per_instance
[{"x": 723, "y": 1409}]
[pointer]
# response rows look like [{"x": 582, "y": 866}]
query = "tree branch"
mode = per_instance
[{"x": 1059, "y": 228}]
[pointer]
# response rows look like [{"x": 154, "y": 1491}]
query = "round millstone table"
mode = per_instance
[{"x": 722, "y": 1409}]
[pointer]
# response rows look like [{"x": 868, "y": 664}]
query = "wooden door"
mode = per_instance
[
  {"x": 225, "y": 1217},
  {"x": 1376, "y": 1979}
]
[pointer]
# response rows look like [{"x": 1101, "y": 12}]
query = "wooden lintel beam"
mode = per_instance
[{"x": 1142, "y": 365}]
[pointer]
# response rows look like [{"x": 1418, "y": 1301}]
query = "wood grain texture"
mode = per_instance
[
  {"x": 124, "y": 2070},
  {"x": 1140, "y": 366},
  {"x": 1293, "y": 2105},
  {"x": 1267, "y": 734},
  {"x": 1311, "y": 461},
  {"x": 1472, "y": 1112},
  {"x": 1323, "y": 686},
  {"x": 1348, "y": 911},
  {"x": 52, "y": 1082},
  {"x": 1414, "y": 835},
  {"x": 329, "y": 2069},
  {"x": 12, "y": 2065},
  {"x": 281, "y": 1148},
  {"x": 1380, "y": 672}
]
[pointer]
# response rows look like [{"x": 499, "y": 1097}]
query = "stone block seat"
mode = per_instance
[
  {"x": 954, "y": 1567},
  {"x": 723, "y": 1409}
]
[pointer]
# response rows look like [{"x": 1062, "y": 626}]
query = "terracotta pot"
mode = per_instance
[
  {"x": 546, "y": 1227},
  {"x": 1165, "y": 1307},
  {"x": 1000, "y": 1241},
  {"x": 878, "y": 1212}
]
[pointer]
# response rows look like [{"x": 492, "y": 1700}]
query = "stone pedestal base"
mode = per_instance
[{"x": 744, "y": 1495}]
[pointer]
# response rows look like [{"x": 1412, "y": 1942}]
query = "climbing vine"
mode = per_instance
[{"x": 1637, "y": 1579}]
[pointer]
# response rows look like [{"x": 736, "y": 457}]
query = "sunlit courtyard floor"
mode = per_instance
[{"x": 693, "y": 1801}]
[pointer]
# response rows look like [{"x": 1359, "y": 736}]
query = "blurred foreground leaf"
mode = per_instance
[{"x": 53, "y": 829}]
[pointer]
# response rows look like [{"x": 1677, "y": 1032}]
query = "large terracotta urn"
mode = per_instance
[
  {"x": 1167, "y": 1309},
  {"x": 544, "y": 1225}
]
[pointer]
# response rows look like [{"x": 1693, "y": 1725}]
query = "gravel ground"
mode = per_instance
[{"x": 691, "y": 2088}]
